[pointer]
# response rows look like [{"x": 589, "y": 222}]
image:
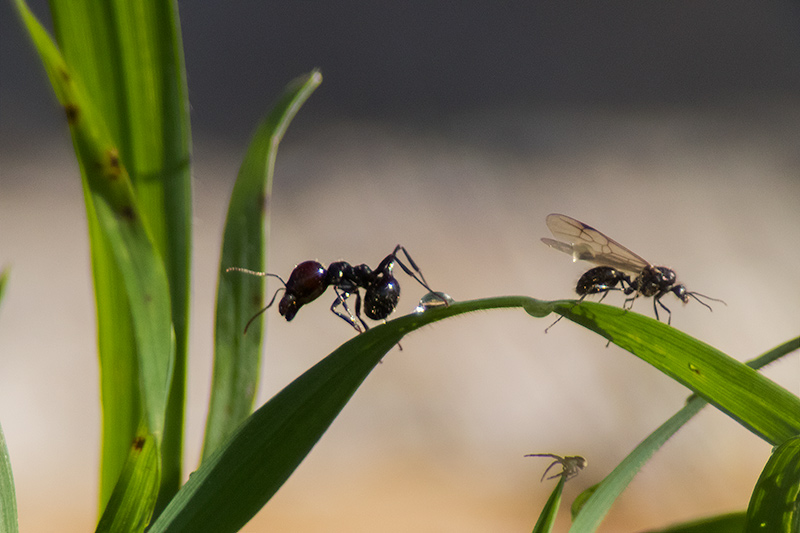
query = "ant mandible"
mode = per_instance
[{"x": 309, "y": 280}]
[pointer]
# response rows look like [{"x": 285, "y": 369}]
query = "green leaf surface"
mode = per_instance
[
  {"x": 128, "y": 253},
  {"x": 727, "y": 523},
  {"x": 8, "y": 499},
  {"x": 775, "y": 503},
  {"x": 591, "y": 506},
  {"x": 240, "y": 296},
  {"x": 128, "y": 57},
  {"x": 131, "y": 504},
  {"x": 3, "y": 281},
  {"x": 757, "y": 403},
  {"x": 244, "y": 473},
  {"x": 547, "y": 518},
  {"x": 237, "y": 479}
]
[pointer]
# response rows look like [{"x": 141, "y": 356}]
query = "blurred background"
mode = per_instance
[{"x": 454, "y": 129}]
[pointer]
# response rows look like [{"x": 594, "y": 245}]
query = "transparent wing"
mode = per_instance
[{"x": 586, "y": 243}]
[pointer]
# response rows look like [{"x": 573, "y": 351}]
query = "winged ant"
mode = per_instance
[
  {"x": 309, "y": 280},
  {"x": 616, "y": 263}
]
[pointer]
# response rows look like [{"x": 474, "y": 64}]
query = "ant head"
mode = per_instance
[
  {"x": 381, "y": 298},
  {"x": 288, "y": 306},
  {"x": 681, "y": 292}
]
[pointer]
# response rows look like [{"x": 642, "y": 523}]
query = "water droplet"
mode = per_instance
[{"x": 432, "y": 300}]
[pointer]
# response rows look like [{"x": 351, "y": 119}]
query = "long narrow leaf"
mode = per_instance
[
  {"x": 775, "y": 503},
  {"x": 8, "y": 499},
  {"x": 547, "y": 518},
  {"x": 128, "y": 54},
  {"x": 596, "y": 502},
  {"x": 119, "y": 229},
  {"x": 244, "y": 473},
  {"x": 131, "y": 504},
  {"x": 759, "y": 404},
  {"x": 239, "y": 297}
]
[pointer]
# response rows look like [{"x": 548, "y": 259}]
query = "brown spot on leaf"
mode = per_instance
[
  {"x": 138, "y": 443},
  {"x": 73, "y": 112},
  {"x": 128, "y": 213}
]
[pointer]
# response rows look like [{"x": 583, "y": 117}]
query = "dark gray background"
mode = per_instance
[{"x": 416, "y": 61}]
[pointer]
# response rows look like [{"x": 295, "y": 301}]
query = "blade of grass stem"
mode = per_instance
[
  {"x": 132, "y": 502},
  {"x": 132, "y": 66},
  {"x": 547, "y": 518},
  {"x": 117, "y": 228},
  {"x": 601, "y": 497},
  {"x": 8, "y": 499},
  {"x": 775, "y": 503},
  {"x": 757, "y": 403},
  {"x": 239, "y": 297}
]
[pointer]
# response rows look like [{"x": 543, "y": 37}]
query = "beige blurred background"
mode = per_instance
[{"x": 692, "y": 169}]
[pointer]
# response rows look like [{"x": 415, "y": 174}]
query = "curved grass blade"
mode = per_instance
[
  {"x": 3, "y": 281},
  {"x": 237, "y": 479},
  {"x": 127, "y": 250},
  {"x": 131, "y": 504},
  {"x": 547, "y": 518},
  {"x": 757, "y": 403},
  {"x": 131, "y": 66},
  {"x": 775, "y": 503},
  {"x": 239, "y": 297},
  {"x": 591, "y": 506},
  {"x": 8, "y": 499}
]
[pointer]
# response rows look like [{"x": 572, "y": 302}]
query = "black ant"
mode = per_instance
[
  {"x": 586, "y": 243},
  {"x": 309, "y": 280}
]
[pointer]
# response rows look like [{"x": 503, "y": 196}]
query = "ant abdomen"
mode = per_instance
[{"x": 381, "y": 298}]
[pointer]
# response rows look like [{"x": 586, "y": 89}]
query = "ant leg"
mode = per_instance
[
  {"x": 416, "y": 270},
  {"x": 341, "y": 300},
  {"x": 358, "y": 310},
  {"x": 657, "y": 300},
  {"x": 546, "y": 330}
]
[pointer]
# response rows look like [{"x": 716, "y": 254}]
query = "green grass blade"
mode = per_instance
[
  {"x": 3, "y": 281},
  {"x": 117, "y": 228},
  {"x": 8, "y": 499},
  {"x": 757, "y": 403},
  {"x": 131, "y": 504},
  {"x": 243, "y": 474},
  {"x": 591, "y": 507},
  {"x": 132, "y": 67},
  {"x": 727, "y": 523},
  {"x": 775, "y": 503},
  {"x": 547, "y": 518},
  {"x": 239, "y": 297}
]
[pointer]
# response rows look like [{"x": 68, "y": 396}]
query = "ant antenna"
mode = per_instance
[
  {"x": 696, "y": 294},
  {"x": 261, "y": 274}
]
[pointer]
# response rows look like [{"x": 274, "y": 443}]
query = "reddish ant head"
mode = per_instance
[{"x": 306, "y": 284}]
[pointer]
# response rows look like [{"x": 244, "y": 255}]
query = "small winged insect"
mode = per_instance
[
  {"x": 620, "y": 269},
  {"x": 309, "y": 280},
  {"x": 571, "y": 465}
]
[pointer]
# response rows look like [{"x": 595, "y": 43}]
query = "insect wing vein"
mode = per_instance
[{"x": 588, "y": 244}]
